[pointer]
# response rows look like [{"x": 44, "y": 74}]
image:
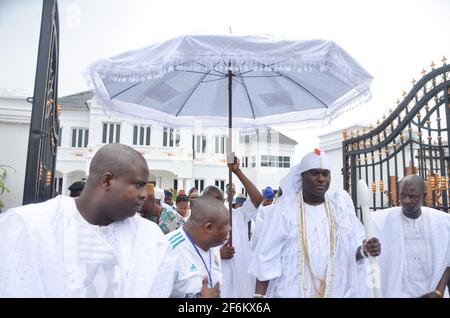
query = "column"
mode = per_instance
[
  {"x": 187, "y": 184},
  {"x": 159, "y": 182},
  {"x": 181, "y": 185},
  {"x": 64, "y": 184}
]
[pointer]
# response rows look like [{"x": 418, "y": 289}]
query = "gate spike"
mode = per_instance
[
  {"x": 423, "y": 72},
  {"x": 413, "y": 82},
  {"x": 432, "y": 65},
  {"x": 444, "y": 60}
]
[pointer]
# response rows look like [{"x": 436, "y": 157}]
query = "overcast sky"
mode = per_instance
[{"x": 393, "y": 40}]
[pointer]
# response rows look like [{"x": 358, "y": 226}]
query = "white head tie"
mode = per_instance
[{"x": 317, "y": 159}]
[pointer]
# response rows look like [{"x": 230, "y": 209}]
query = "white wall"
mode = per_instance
[{"x": 15, "y": 116}]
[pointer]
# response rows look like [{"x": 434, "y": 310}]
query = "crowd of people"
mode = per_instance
[{"x": 117, "y": 235}]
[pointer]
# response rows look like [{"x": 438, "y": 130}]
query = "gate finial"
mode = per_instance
[{"x": 444, "y": 60}]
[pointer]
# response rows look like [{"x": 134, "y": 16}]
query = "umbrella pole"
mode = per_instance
[{"x": 230, "y": 154}]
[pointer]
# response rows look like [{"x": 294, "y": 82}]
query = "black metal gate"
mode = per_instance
[
  {"x": 413, "y": 139},
  {"x": 42, "y": 142}
]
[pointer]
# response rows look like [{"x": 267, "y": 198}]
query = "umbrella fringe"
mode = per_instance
[{"x": 324, "y": 64}]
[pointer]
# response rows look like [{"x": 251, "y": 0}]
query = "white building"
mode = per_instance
[{"x": 176, "y": 157}]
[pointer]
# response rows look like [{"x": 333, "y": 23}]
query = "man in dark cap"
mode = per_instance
[
  {"x": 168, "y": 198},
  {"x": 76, "y": 188},
  {"x": 268, "y": 196}
]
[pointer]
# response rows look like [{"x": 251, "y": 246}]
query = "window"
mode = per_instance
[
  {"x": 175, "y": 184},
  {"x": 285, "y": 162},
  {"x": 141, "y": 135},
  {"x": 80, "y": 137},
  {"x": 221, "y": 144},
  {"x": 111, "y": 133},
  {"x": 264, "y": 161},
  {"x": 58, "y": 185},
  {"x": 253, "y": 161},
  {"x": 220, "y": 184},
  {"x": 244, "y": 162},
  {"x": 171, "y": 137},
  {"x": 275, "y": 161},
  {"x": 199, "y": 184},
  {"x": 59, "y": 136},
  {"x": 200, "y": 144}
]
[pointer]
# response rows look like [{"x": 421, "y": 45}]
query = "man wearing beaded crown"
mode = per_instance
[{"x": 312, "y": 244}]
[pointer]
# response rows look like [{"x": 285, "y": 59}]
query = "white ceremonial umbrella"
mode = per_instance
[{"x": 250, "y": 80}]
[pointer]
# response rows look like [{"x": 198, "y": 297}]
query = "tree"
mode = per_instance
[{"x": 3, "y": 188}]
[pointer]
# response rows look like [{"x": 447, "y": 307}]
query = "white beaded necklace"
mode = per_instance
[{"x": 326, "y": 285}]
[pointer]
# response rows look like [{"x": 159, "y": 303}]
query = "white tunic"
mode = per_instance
[
  {"x": 237, "y": 282},
  {"x": 414, "y": 253},
  {"x": 97, "y": 271},
  {"x": 417, "y": 269},
  {"x": 277, "y": 253},
  {"x": 193, "y": 265},
  {"x": 49, "y": 250},
  {"x": 264, "y": 213}
]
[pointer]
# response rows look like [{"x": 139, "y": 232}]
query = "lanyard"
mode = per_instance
[{"x": 201, "y": 257}]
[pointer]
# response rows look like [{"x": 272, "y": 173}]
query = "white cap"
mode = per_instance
[{"x": 292, "y": 183}]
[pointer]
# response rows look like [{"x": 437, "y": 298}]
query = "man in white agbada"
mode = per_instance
[
  {"x": 91, "y": 246},
  {"x": 416, "y": 245},
  {"x": 237, "y": 282},
  {"x": 198, "y": 269},
  {"x": 264, "y": 214},
  {"x": 312, "y": 243}
]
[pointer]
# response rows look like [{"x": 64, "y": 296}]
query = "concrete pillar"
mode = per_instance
[
  {"x": 159, "y": 182},
  {"x": 64, "y": 190},
  {"x": 180, "y": 184},
  {"x": 187, "y": 184}
]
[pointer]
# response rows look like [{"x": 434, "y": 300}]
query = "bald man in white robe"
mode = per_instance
[
  {"x": 91, "y": 246},
  {"x": 416, "y": 245}
]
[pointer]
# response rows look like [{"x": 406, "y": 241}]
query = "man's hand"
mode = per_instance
[
  {"x": 372, "y": 247},
  {"x": 226, "y": 252},
  {"x": 207, "y": 292},
  {"x": 234, "y": 167},
  {"x": 430, "y": 295}
]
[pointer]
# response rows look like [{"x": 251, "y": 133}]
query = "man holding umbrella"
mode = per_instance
[{"x": 236, "y": 257}]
